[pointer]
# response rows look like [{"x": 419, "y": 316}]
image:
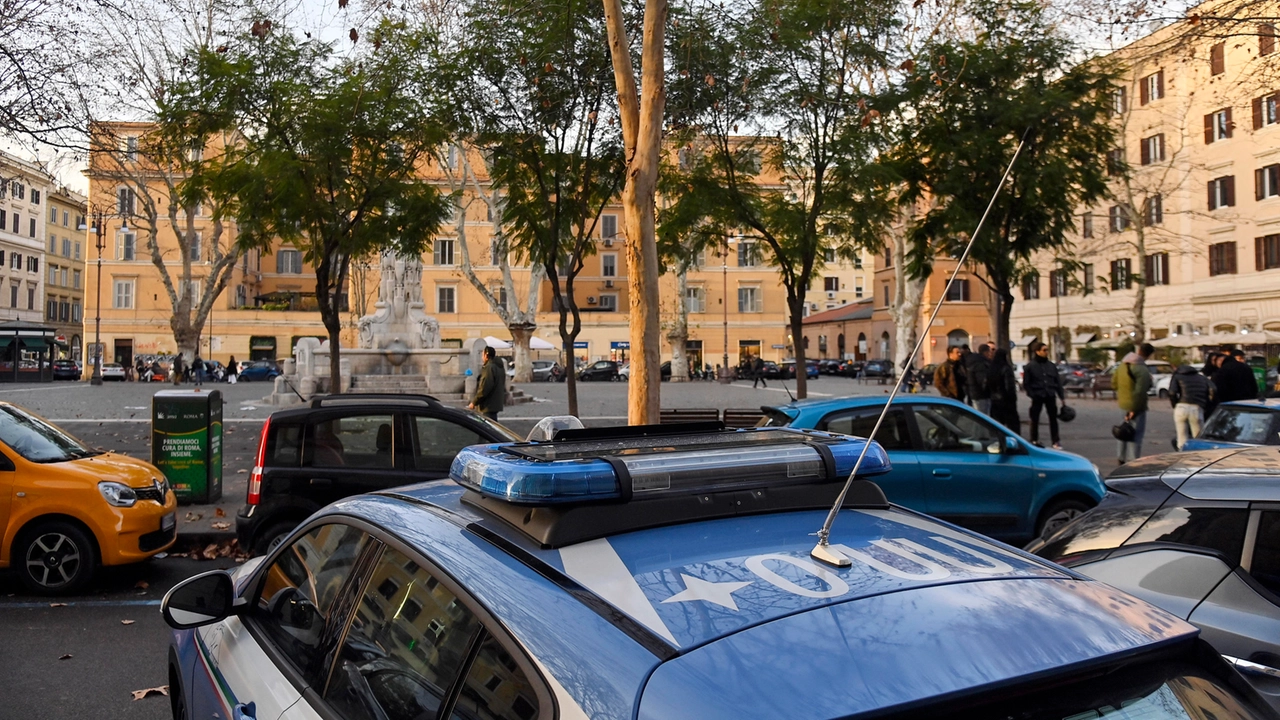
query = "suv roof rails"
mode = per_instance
[{"x": 355, "y": 398}]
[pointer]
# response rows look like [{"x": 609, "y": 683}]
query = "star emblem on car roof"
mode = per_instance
[{"x": 720, "y": 593}]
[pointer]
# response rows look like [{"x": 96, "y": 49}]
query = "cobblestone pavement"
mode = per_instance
[{"x": 117, "y": 417}]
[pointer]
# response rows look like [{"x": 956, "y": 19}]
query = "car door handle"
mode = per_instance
[
  {"x": 321, "y": 481},
  {"x": 244, "y": 711},
  {"x": 942, "y": 472},
  {"x": 1247, "y": 667}
]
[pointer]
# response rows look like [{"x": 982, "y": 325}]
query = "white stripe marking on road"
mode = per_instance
[{"x": 84, "y": 603}]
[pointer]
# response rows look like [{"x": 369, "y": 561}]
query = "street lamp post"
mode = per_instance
[
  {"x": 724, "y": 305},
  {"x": 98, "y": 221}
]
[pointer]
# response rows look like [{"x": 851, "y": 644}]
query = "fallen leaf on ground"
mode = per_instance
[
  {"x": 192, "y": 517},
  {"x": 128, "y": 622},
  {"x": 221, "y": 525},
  {"x": 68, "y": 656},
  {"x": 162, "y": 690},
  {"x": 241, "y": 471},
  {"x": 57, "y": 604},
  {"x": 142, "y": 585},
  {"x": 219, "y": 512}
]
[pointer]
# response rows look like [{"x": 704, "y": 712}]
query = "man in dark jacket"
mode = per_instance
[
  {"x": 1234, "y": 381},
  {"x": 977, "y": 366},
  {"x": 949, "y": 377},
  {"x": 491, "y": 389},
  {"x": 1043, "y": 385},
  {"x": 1189, "y": 391}
]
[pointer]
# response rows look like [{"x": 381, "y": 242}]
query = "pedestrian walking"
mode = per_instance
[
  {"x": 1190, "y": 392},
  {"x": 177, "y": 370},
  {"x": 197, "y": 370},
  {"x": 977, "y": 365},
  {"x": 139, "y": 367},
  {"x": 1002, "y": 391},
  {"x": 1234, "y": 380},
  {"x": 757, "y": 371},
  {"x": 233, "y": 370},
  {"x": 949, "y": 377},
  {"x": 491, "y": 389},
  {"x": 1132, "y": 381},
  {"x": 1043, "y": 385}
]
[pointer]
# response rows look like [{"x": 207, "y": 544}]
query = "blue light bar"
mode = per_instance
[{"x": 624, "y": 469}]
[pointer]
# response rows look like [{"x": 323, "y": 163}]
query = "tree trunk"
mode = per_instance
[
  {"x": 678, "y": 336},
  {"x": 642, "y": 136},
  {"x": 795, "y": 303},
  {"x": 1005, "y": 296},
  {"x": 570, "y": 373},
  {"x": 905, "y": 311},
  {"x": 520, "y": 335}
]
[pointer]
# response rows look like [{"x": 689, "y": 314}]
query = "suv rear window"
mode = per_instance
[{"x": 284, "y": 445}]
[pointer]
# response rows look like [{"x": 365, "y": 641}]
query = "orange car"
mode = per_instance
[{"x": 65, "y": 509}]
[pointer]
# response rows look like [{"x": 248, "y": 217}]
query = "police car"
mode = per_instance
[{"x": 660, "y": 573}]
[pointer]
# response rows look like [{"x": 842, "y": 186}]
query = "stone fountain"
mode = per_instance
[{"x": 399, "y": 349}]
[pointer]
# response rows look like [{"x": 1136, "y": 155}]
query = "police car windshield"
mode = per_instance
[
  {"x": 36, "y": 440},
  {"x": 1157, "y": 691}
]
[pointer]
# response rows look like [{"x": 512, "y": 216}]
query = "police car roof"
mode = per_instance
[{"x": 684, "y": 586}]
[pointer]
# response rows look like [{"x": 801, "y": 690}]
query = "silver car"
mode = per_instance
[{"x": 1197, "y": 534}]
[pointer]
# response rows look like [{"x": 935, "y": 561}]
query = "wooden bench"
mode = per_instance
[
  {"x": 742, "y": 417},
  {"x": 688, "y": 415},
  {"x": 1102, "y": 384}
]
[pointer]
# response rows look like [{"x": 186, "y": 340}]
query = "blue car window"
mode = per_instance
[
  {"x": 407, "y": 645},
  {"x": 948, "y": 428},
  {"x": 496, "y": 688},
  {"x": 1241, "y": 425},
  {"x": 893, "y": 434},
  {"x": 1266, "y": 552},
  {"x": 299, "y": 590}
]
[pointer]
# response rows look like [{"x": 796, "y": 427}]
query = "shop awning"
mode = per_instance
[
  {"x": 1027, "y": 340},
  {"x": 1082, "y": 338},
  {"x": 34, "y": 343},
  {"x": 6, "y": 341}
]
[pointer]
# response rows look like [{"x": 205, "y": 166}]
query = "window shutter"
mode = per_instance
[
  {"x": 1259, "y": 263},
  {"x": 1143, "y": 96},
  {"x": 1230, "y": 190},
  {"x": 1164, "y": 268},
  {"x": 1146, "y": 151},
  {"x": 1257, "y": 113},
  {"x": 1159, "y": 85},
  {"x": 1231, "y": 258},
  {"x": 1257, "y": 184},
  {"x": 1217, "y": 61},
  {"x": 1266, "y": 39},
  {"x": 1208, "y": 128},
  {"x": 1148, "y": 270},
  {"x": 1231, "y": 125},
  {"x": 1210, "y": 205},
  {"x": 1160, "y": 143}
]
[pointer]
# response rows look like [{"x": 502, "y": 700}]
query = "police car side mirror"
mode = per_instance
[{"x": 201, "y": 600}]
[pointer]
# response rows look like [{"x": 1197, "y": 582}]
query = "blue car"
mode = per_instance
[
  {"x": 260, "y": 370},
  {"x": 665, "y": 577},
  {"x": 959, "y": 465},
  {"x": 1238, "y": 424}
]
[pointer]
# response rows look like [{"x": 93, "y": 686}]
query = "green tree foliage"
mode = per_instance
[
  {"x": 973, "y": 100},
  {"x": 784, "y": 94},
  {"x": 532, "y": 82},
  {"x": 329, "y": 147}
]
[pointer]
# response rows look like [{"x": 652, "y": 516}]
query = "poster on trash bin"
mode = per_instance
[{"x": 186, "y": 443}]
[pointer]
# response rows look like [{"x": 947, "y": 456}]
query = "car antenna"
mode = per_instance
[
  {"x": 823, "y": 552},
  {"x": 784, "y": 387}
]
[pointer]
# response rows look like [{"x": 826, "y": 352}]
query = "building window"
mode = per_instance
[
  {"x": 63, "y": 271},
  {"x": 1266, "y": 181},
  {"x": 193, "y": 246},
  {"x": 831, "y": 284},
  {"x": 75, "y": 311},
  {"x": 608, "y": 226},
  {"x": 129, "y": 146},
  {"x": 126, "y": 246},
  {"x": 1218, "y": 126},
  {"x": 13, "y": 295},
  {"x": 35, "y": 196},
  {"x": 1222, "y": 259},
  {"x": 1115, "y": 162},
  {"x": 1119, "y": 101},
  {"x": 31, "y": 297},
  {"x": 1031, "y": 287},
  {"x": 1217, "y": 58},
  {"x": 695, "y": 299},
  {"x": 829, "y": 255},
  {"x": 289, "y": 262},
  {"x": 53, "y": 275},
  {"x": 1222, "y": 192},
  {"x": 125, "y": 201},
  {"x": 66, "y": 218},
  {"x": 886, "y": 294},
  {"x": 1152, "y": 211},
  {"x": 51, "y": 309},
  {"x": 746, "y": 254},
  {"x": 123, "y": 294},
  {"x": 66, "y": 247},
  {"x": 15, "y": 261},
  {"x": 1265, "y": 111},
  {"x": 609, "y": 265},
  {"x": 31, "y": 227},
  {"x": 17, "y": 224},
  {"x": 446, "y": 296},
  {"x": 1121, "y": 274},
  {"x": 609, "y": 303},
  {"x": 19, "y": 191},
  {"x": 443, "y": 254},
  {"x": 1086, "y": 225},
  {"x": 4, "y": 216},
  {"x": 75, "y": 279},
  {"x": 1266, "y": 39},
  {"x": 958, "y": 291},
  {"x": 495, "y": 252},
  {"x": 749, "y": 300},
  {"x": 53, "y": 214},
  {"x": 1267, "y": 252},
  {"x": 53, "y": 244},
  {"x": 77, "y": 255},
  {"x": 1151, "y": 87},
  {"x": 191, "y": 289},
  {"x": 1155, "y": 269},
  {"x": 33, "y": 264},
  {"x": 64, "y": 311},
  {"x": 857, "y": 261},
  {"x": 1153, "y": 149},
  {"x": 1057, "y": 283},
  {"x": 857, "y": 288},
  {"x": 1119, "y": 218}
]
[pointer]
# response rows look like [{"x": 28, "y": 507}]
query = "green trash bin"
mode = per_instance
[{"x": 186, "y": 443}]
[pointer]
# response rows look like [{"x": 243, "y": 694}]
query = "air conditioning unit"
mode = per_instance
[
  {"x": 608, "y": 242},
  {"x": 831, "y": 294},
  {"x": 813, "y": 306},
  {"x": 591, "y": 300},
  {"x": 608, "y": 283}
]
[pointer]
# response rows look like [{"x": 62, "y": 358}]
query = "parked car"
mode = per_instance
[
  {"x": 850, "y": 368},
  {"x": 1077, "y": 377},
  {"x": 599, "y": 370},
  {"x": 955, "y": 463},
  {"x": 1197, "y": 534},
  {"x": 1240, "y": 423},
  {"x": 342, "y": 445},
  {"x": 541, "y": 370},
  {"x": 787, "y": 369},
  {"x": 113, "y": 371},
  {"x": 66, "y": 370},
  {"x": 925, "y": 375},
  {"x": 829, "y": 366},
  {"x": 68, "y": 509},
  {"x": 476, "y": 598},
  {"x": 1161, "y": 374},
  {"x": 878, "y": 368},
  {"x": 259, "y": 370}
]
